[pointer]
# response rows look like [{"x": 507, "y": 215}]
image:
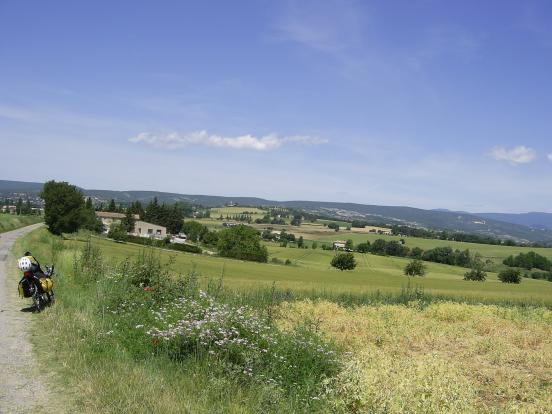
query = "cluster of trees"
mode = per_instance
[
  {"x": 169, "y": 216},
  {"x": 65, "y": 210},
  {"x": 333, "y": 226},
  {"x": 452, "y": 236},
  {"x": 22, "y": 208},
  {"x": 268, "y": 219},
  {"x": 541, "y": 276},
  {"x": 243, "y": 243},
  {"x": 296, "y": 220},
  {"x": 199, "y": 233},
  {"x": 529, "y": 260},
  {"x": 445, "y": 255},
  {"x": 244, "y": 217}
]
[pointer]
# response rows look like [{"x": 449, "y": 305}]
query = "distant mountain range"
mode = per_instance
[{"x": 528, "y": 227}]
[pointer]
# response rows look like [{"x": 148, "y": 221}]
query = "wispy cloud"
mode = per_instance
[
  {"x": 41, "y": 115},
  {"x": 515, "y": 156},
  {"x": 549, "y": 157},
  {"x": 328, "y": 27},
  {"x": 270, "y": 142}
]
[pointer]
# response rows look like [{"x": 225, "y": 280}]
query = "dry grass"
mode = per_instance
[{"x": 445, "y": 358}]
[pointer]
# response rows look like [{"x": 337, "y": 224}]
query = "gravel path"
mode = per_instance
[{"x": 21, "y": 389}]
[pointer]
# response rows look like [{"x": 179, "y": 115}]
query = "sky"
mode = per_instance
[{"x": 428, "y": 104}]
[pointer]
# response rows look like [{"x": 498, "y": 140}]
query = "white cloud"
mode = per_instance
[
  {"x": 515, "y": 156},
  {"x": 550, "y": 157},
  {"x": 266, "y": 143}
]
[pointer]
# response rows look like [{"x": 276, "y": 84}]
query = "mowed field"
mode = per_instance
[{"x": 311, "y": 271}]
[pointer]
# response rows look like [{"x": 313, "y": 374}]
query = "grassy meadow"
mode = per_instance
[
  {"x": 453, "y": 347},
  {"x": 311, "y": 272},
  {"x": 11, "y": 222}
]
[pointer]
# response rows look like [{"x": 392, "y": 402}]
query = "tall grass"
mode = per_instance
[
  {"x": 131, "y": 336},
  {"x": 113, "y": 334},
  {"x": 11, "y": 222}
]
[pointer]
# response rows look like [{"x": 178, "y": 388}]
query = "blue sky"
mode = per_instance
[{"x": 422, "y": 103}]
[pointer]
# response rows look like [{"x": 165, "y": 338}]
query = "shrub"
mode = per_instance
[
  {"x": 415, "y": 268},
  {"x": 476, "y": 274},
  {"x": 510, "y": 276},
  {"x": 344, "y": 261},
  {"x": 363, "y": 247},
  {"x": 117, "y": 232},
  {"x": 416, "y": 253},
  {"x": 190, "y": 248}
]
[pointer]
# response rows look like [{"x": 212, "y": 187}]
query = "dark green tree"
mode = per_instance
[
  {"x": 210, "y": 238},
  {"x": 415, "y": 268},
  {"x": 19, "y": 207},
  {"x": 112, "y": 207},
  {"x": 378, "y": 247},
  {"x": 344, "y": 261},
  {"x": 27, "y": 208},
  {"x": 300, "y": 242},
  {"x": 477, "y": 272},
  {"x": 194, "y": 230},
  {"x": 118, "y": 232},
  {"x": 242, "y": 242},
  {"x": 128, "y": 221},
  {"x": 416, "y": 253},
  {"x": 510, "y": 276},
  {"x": 64, "y": 208},
  {"x": 349, "y": 245}
]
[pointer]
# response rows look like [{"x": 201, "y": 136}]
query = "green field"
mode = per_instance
[
  {"x": 310, "y": 271},
  {"x": 416, "y": 354},
  {"x": 10, "y": 222}
]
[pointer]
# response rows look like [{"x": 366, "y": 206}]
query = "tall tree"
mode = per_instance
[
  {"x": 64, "y": 208},
  {"x": 128, "y": 221},
  {"x": 112, "y": 207},
  {"x": 19, "y": 206}
]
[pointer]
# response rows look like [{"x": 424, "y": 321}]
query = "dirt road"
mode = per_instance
[{"x": 21, "y": 390}]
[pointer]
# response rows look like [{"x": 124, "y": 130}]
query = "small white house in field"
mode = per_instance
[
  {"x": 339, "y": 244},
  {"x": 144, "y": 229}
]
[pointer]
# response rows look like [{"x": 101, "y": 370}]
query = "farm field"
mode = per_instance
[
  {"x": 310, "y": 271},
  {"x": 317, "y": 232},
  {"x": 10, "y": 222},
  {"x": 416, "y": 357}
]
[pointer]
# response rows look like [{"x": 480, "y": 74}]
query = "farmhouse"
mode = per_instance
[
  {"x": 339, "y": 244},
  {"x": 108, "y": 218},
  {"x": 144, "y": 229},
  {"x": 9, "y": 209}
]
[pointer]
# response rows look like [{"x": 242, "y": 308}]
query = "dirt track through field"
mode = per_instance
[{"x": 21, "y": 390}]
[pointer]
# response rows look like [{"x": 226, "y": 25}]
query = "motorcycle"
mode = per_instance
[{"x": 39, "y": 288}]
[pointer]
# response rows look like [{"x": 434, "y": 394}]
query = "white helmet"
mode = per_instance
[{"x": 24, "y": 264}]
